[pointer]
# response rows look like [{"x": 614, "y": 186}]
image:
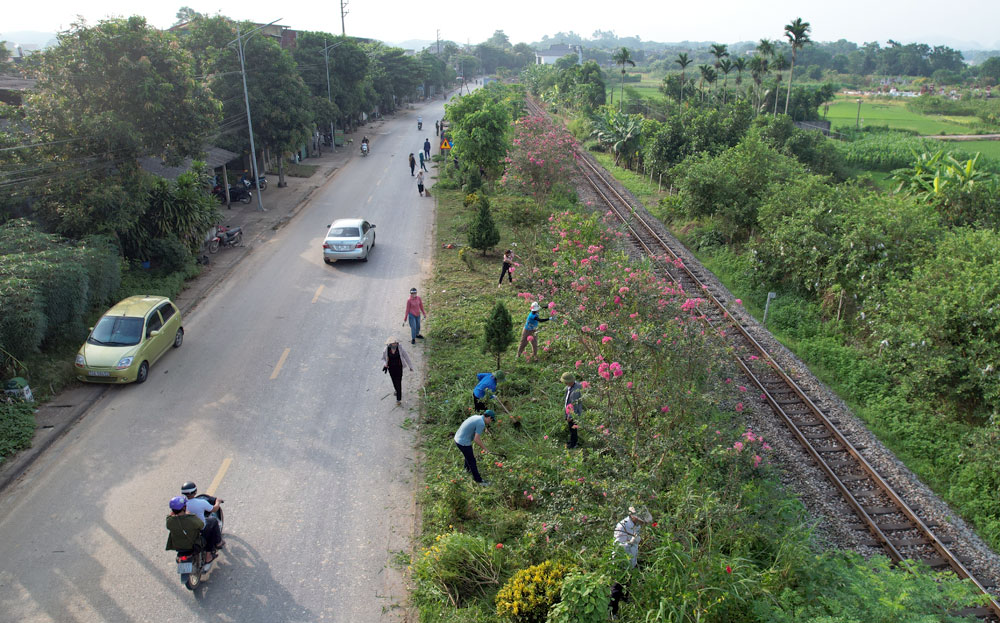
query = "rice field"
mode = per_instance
[{"x": 843, "y": 113}]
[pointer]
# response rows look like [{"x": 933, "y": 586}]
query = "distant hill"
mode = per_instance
[
  {"x": 414, "y": 44},
  {"x": 28, "y": 39}
]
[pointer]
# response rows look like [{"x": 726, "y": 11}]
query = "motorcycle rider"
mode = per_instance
[
  {"x": 203, "y": 509},
  {"x": 364, "y": 144},
  {"x": 185, "y": 528},
  {"x": 420, "y": 123}
]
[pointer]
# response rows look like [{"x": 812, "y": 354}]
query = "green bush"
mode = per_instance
[
  {"x": 584, "y": 598},
  {"x": 17, "y": 425},
  {"x": 457, "y": 567},
  {"x": 170, "y": 255}
]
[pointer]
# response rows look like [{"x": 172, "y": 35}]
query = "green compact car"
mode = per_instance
[{"x": 128, "y": 339}]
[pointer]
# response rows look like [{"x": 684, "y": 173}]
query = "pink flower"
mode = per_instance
[
  {"x": 738, "y": 445},
  {"x": 499, "y": 545},
  {"x": 739, "y": 406},
  {"x": 629, "y": 385},
  {"x": 739, "y": 302},
  {"x": 584, "y": 384},
  {"x": 616, "y": 368},
  {"x": 665, "y": 409},
  {"x": 585, "y": 328},
  {"x": 729, "y": 570},
  {"x": 602, "y": 327},
  {"x": 754, "y": 357},
  {"x": 569, "y": 408},
  {"x": 742, "y": 388},
  {"x": 531, "y": 338},
  {"x": 756, "y": 460},
  {"x": 578, "y": 363},
  {"x": 635, "y": 336},
  {"x": 606, "y": 339},
  {"x": 622, "y": 290}
]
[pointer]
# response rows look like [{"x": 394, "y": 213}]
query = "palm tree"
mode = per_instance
[
  {"x": 765, "y": 47},
  {"x": 780, "y": 65},
  {"x": 683, "y": 61},
  {"x": 725, "y": 66},
  {"x": 740, "y": 65},
  {"x": 707, "y": 75},
  {"x": 758, "y": 70},
  {"x": 622, "y": 57},
  {"x": 719, "y": 51},
  {"x": 798, "y": 35}
]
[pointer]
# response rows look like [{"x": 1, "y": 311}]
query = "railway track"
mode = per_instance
[{"x": 893, "y": 524}]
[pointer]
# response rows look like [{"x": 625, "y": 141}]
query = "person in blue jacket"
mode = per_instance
[
  {"x": 530, "y": 326},
  {"x": 485, "y": 381}
]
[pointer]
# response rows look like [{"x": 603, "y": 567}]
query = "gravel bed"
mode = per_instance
[{"x": 836, "y": 524}]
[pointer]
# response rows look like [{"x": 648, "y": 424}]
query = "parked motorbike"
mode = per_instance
[
  {"x": 226, "y": 237},
  {"x": 250, "y": 184},
  {"x": 364, "y": 149},
  {"x": 191, "y": 563},
  {"x": 237, "y": 192}
]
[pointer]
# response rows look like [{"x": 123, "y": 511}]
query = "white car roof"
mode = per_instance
[{"x": 348, "y": 222}]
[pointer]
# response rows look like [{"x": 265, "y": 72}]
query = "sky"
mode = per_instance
[{"x": 973, "y": 26}]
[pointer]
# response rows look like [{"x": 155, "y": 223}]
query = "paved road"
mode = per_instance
[{"x": 277, "y": 396}]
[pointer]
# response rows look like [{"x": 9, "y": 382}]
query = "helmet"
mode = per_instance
[
  {"x": 189, "y": 488},
  {"x": 178, "y": 503}
]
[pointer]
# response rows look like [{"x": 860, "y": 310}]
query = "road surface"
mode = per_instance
[{"x": 277, "y": 401}]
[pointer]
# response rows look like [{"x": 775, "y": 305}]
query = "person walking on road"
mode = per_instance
[
  {"x": 485, "y": 381},
  {"x": 627, "y": 532},
  {"x": 420, "y": 182},
  {"x": 427, "y": 148},
  {"x": 393, "y": 358},
  {"x": 414, "y": 308},
  {"x": 413, "y": 164},
  {"x": 470, "y": 432},
  {"x": 423, "y": 167},
  {"x": 508, "y": 265},
  {"x": 528, "y": 333},
  {"x": 572, "y": 406},
  {"x": 437, "y": 127}
]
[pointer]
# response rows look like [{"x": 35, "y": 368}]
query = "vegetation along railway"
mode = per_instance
[{"x": 896, "y": 527}]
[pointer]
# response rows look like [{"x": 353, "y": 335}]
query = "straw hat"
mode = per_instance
[{"x": 392, "y": 340}]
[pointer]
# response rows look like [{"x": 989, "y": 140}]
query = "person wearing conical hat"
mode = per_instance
[
  {"x": 393, "y": 357},
  {"x": 627, "y": 532},
  {"x": 528, "y": 333}
]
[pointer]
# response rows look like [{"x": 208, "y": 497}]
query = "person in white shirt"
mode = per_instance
[
  {"x": 203, "y": 509},
  {"x": 627, "y": 532}
]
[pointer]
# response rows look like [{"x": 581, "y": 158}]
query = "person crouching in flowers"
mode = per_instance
[{"x": 627, "y": 532}]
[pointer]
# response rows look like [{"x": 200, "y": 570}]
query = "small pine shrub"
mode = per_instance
[
  {"x": 530, "y": 593},
  {"x": 483, "y": 233}
]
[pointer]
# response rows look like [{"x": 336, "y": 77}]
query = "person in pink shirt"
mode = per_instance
[{"x": 414, "y": 309}]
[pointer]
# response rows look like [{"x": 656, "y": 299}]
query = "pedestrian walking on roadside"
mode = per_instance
[
  {"x": 470, "y": 432},
  {"x": 427, "y": 148},
  {"x": 423, "y": 167},
  {"x": 393, "y": 358},
  {"x": 572, "y": 406},
  {"x": 437, "y": 127},
  {"x": 508, "y": 267},
  {"x": 528, "y": 333},
  {"x": 485, "y": 382},
  {"x": 420, "y": 183},
  {"x": 414, "y": 308},
  {"x": 627, "y": 532},
  {"x": 413, "y": 164}
]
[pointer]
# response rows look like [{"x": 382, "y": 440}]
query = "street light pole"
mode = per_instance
[
  {"x": 240, "y": 51},
  {"x": 326, "y": 58}
]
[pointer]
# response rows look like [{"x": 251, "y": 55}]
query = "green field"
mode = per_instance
[
  {"x": 843, "y": 113},
  {"x": 988, "y": 149}
]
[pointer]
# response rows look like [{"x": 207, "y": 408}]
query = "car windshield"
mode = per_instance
[
  {"x": 117, "y": 331},
  {"x": 344, "y": 232}
]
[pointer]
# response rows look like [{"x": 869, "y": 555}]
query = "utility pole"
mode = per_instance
[
  {"x": 240, "y": 42},
  {"x": 343, "y": 13},
  {"x": 326, "y": 57},
  {"x": 439, "y": 41}
]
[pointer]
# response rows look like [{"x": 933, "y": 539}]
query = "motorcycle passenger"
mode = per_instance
[
  {"x": 364, "y": 145},
  {"x": 185, "y": 529},
  {"x": 203, "y": 509}
]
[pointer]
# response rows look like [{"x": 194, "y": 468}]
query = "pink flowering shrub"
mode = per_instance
[{"x": 541, "y": 156}]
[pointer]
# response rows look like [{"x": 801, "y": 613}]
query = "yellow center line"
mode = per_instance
[
  {"x": 318, "y": 291},
  {"x": 219, "y": 475},
  {"x": 281, "y": 362}
]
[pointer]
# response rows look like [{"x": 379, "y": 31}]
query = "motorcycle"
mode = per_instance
[
  {"x": 420, "y": 125},
  {"x": 191, "y": 563},
  {"x": 237, "y": 192},
  {"x": 250, "y": 184},
  {"x": 226, "y": 237},
  {"x": 364, "y": 150}
]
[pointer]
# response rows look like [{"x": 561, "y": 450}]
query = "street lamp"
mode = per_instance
[
  {"x": 326, "y": 58},
  {"x": 240, "y": 42}
]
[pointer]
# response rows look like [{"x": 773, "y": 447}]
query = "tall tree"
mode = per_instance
[
  {"x": 707, "y": 75},
  {"x": 682, "y": 60},
  {"x": 758, "y": 71},
  {"x": 780, "y": 65},
  {"x": 719, "y": 51},
  {"x": 725, "y": 66},
  {"x": 798, "y": 35},
  {"x": 622, "y": 57},
  {"x": 740, "y": 65}
]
